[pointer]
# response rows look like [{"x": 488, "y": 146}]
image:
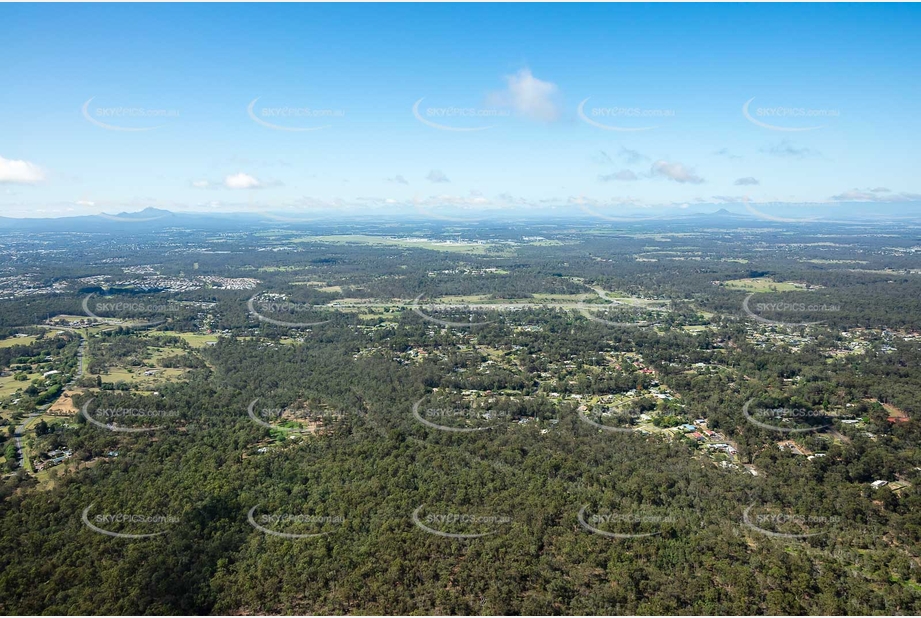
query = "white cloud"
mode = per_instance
[
  {"x": 724, "y": 152},
  {"x": 602, "y": 158},
  {"x": 85, "y": 203},
  {"x": 874, "y": 195},
  {"x": 748, "y": 180},
  {"x": 675, "y": 171},
  {"x": 514, "y": 201},
  {"x": 20, "y": 172},
  {"x": 437, "y": 176},
  {"x": 628, "y": 155},
  {"x": 308, "y": 202},
  {"x": 241, "y": 181},
  {"x": 632, "y": 156},
  {"x": 453, "y": 200},
  {"x": 529, "y": 96},
  {"x": 787, "y": 149},
  {"x": 621, "y": 175},
  {"x": 399, "y": 179},
  {"x": 201, "y": 184},
  {"x": 626, "y": 202},
  {"x": 854, "y": 195}
]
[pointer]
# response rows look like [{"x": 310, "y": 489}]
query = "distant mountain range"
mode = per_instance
[{"x": 159, "y": 219}]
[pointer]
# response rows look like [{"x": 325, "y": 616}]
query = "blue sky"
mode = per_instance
[{"x": 668, "y": 82}]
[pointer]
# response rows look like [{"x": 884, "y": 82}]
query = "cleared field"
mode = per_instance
[
  {"x": 763, "y": 284},
  {"x": 485, "y": 299},
  {"x": 135, "y": 376},
  {"x": 11, "y": 341},
  {"x": 470, "y": 298},
  {"x": 64, "y": 406},
  {"x": 320, "y": 286},
  {"x": 370, "y": 316},
  {"x": 893, "y": 411},
  {"x": 274, "y": 269},
  {"x": 8, "y": 385},
  {"x": 484, "y": 302},
  {"x": 835, "y": 261},
  {"x": 421, "y": 243},
  {"x": 89, "y": 330},
  {"x": 574, "y": 298},
  {"x": 193, "y": 339}
]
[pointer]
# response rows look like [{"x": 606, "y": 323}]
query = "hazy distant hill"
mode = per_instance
[{"x": 157, "y": 219}]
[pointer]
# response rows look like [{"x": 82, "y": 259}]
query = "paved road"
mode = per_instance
[{"x": 24, "y": 463}]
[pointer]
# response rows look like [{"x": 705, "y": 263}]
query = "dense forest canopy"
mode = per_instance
[{"x": 595, "y": 422}]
